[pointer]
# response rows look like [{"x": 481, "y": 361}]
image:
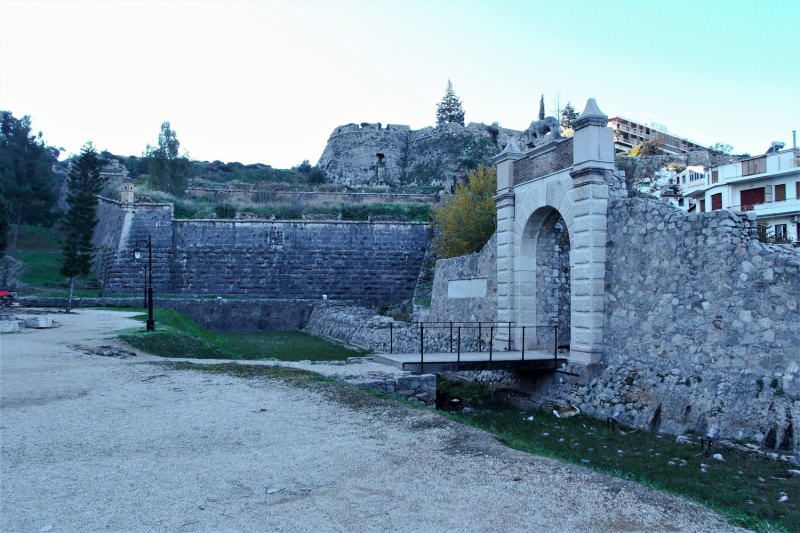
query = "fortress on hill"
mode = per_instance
[{"x": 397, "y": 155}]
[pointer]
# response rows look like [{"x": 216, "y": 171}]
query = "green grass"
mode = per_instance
[
  {"x": 731, "y": 487},
  {"x": 39, "y": 251},
  {"x": 177, "y": 335}
]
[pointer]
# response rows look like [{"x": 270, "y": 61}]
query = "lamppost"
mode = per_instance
[{"x": 148, "y": 274}]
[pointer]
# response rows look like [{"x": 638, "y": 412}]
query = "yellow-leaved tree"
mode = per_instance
[{"x": 465, "y": 221}]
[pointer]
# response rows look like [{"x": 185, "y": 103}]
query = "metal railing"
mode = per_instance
[{"x": 456, "y": 328}]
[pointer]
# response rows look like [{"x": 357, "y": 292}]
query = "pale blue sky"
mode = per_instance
[{"x": 268, "y": 81}]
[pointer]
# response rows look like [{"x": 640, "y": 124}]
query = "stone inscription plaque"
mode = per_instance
[{"x": 467, "y": 288}]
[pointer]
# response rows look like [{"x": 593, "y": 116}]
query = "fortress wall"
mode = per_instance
[
  {"x": 355, "y": 261},
  {"x": 121, "y": 226},
  {"x": 214, "y": 314},
  {"x": 371, "y": 263},
  {"x": 702, "y": 326},
  {"x": 221, "y": 195}
]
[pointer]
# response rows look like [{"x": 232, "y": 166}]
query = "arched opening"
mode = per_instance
[{"x": 545, "y": 291}]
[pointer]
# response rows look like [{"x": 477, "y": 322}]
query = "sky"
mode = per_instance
[{"x": 268, "y": 81}]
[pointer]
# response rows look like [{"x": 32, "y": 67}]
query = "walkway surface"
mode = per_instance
[
  {"x": 94, "y": 443},
  {"x": 470, "y": 361}
]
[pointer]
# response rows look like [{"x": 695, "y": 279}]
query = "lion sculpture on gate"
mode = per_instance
[{"x": 540, "y": 128}]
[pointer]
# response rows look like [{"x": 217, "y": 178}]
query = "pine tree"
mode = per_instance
[
  {"x": 5, "y": 223},
  {"x": 449, "y": 109},
  {"x": 568, "y": 116},
  {"x": 541, "y": 108},
  {"x": 28, "y": 181},
  {"x": 83, "y": 184},
  {"x": 169, "y": 169}
]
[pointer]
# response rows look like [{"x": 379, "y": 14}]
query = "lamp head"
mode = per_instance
[{"x": 137, "y": 253}]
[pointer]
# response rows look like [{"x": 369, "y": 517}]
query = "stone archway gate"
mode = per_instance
[{"x": 571, "y": 176}]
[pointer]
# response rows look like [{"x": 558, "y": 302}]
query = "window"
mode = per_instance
[
  {"x": 797, "y": 190},
  {"x": 754, "y": 166},
  {"x": 702, "y": 206},
  {"x": 714, "y": 176},
  {"x": 780, "y": 232},
  {"x": 751, "y": 197},
  {"x": 684, "y": 179},
  {"x": 680, "y": 202},
  {"x": 716, "y": 201},
  {"x": 780, "y": 192}
]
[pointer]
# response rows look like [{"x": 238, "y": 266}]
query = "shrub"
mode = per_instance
[
  {"x": 316, "y": 175},
  {"x": 225, "y": 211},
  {"x": 465, "y": 221}
]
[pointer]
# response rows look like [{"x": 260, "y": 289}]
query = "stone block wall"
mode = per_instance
[
  {"x": 213, "y": 314},
  {"x": 372, "y": 263},
  {"x": 701, "y": 328}
]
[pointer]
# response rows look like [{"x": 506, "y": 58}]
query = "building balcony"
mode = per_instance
[{"x": 771, "y": 209}]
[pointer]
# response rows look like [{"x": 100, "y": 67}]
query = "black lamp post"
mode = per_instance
[{"x": 148, "y": 274}]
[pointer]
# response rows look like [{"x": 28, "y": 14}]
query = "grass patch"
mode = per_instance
[
  {"x": 177, "y": 335},
  {"x": 39, "y": 251},
  {"x": 731, "y": 487},
  {"x": 175, "y": 344}
]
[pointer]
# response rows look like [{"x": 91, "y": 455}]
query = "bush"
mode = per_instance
[
  {"x": 465, "y": 221},
  {"x": 316, "y": 175},
  {"x": 225, "y": 211}
]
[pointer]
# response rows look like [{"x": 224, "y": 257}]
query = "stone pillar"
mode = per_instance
[
  {"x": 504, "y": 200},
  {"x": 593, "y": 161}
]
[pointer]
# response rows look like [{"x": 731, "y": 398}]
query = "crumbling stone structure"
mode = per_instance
[{"x": 368, "y": 153}]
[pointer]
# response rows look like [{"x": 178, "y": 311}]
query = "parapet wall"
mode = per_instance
[
  {"x": 702, "y": 326},
  {"x": 361, "y": 261}
]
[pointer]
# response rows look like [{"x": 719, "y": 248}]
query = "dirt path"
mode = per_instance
[{"x": 93, "y": 443}]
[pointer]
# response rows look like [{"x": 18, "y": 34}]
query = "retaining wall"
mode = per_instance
[
  {"x": 369, "y": 262},
  {"x": 212, "y": 314}
]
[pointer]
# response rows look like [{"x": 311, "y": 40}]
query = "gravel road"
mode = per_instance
[{"x": 94, "y": 443}]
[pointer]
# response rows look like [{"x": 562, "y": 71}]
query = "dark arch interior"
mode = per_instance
[{"x": 553, "y": 280}]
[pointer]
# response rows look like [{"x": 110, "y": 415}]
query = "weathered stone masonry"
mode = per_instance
[
  {"x": 364, "y": 262},
  {"x": 681, "y": 320}
]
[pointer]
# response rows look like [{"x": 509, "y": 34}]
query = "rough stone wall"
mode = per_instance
[
  {"x": 481, "y": 265},
  {"x": 373, "y": 263},
  {"x": 553, "y": 281},
  {"x": 701, "y": 326},
  {"x": 430, "y": 156},
  {"x": 541, "y": 163},
  {"x": 696, "y": 157}
]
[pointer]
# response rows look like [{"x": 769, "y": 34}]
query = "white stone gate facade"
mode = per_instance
[{"x": 568, "y": 176}]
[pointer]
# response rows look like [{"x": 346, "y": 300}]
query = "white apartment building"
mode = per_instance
[
  {"x": 682, "y": 184},
  {"x": 628, "y": 133},
  {"x": 768, "y": 185}
]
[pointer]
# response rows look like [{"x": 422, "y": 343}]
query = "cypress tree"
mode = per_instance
[
  {"x": 449, "y": 109},
  {"x": 541, "y": 108},
  {"x": 83, "y": 184}
]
